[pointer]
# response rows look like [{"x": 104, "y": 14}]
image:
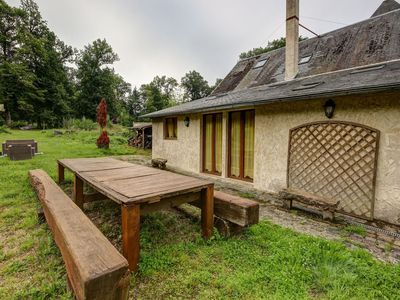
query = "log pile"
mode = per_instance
[{"x": 138, "y": 140}]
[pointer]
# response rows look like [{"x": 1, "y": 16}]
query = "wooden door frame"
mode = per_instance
[
  {"x": 213, "y": 145},
  {"x": 242, "y": 140}
]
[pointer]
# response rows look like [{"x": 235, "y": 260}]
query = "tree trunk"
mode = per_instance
[{"x": 8, "y": 118}]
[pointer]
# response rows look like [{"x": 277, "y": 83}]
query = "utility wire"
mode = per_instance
[
  {"x": 322, "y": 20},
  {"x": 275, "y": 30}
]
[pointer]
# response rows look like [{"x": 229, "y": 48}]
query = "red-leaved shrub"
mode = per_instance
[{"x": 103, "y": 141}]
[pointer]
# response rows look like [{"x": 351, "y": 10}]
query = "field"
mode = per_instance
[{"x": 266, "y": 262}]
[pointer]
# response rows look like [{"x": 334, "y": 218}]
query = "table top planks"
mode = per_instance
[{"x": 129, "y": 183}]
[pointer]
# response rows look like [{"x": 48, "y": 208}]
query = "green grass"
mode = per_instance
[
  {"x": 248, "y": 195},
  {"x": 266, "y": 262},
  {"x": 356, "y": 229}
]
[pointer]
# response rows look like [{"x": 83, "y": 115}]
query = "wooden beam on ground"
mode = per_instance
[
  {"x": 96, "y": 270},
  {"x": 240, "y": 211}
]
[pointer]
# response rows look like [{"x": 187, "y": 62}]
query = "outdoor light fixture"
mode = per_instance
[
  {"x": 186, "y": 121},
  {"x": 329, "y": 108}
]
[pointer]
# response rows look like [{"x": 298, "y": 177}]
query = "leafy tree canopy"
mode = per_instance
[
  {"x": 272, "y": 45},
  {"x": 194, "y": 86}
]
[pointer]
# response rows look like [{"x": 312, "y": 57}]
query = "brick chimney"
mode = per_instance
[{"x": 292, "y": 39}]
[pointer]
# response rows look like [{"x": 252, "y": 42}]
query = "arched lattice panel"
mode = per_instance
[{"x": 337, "y": 160}]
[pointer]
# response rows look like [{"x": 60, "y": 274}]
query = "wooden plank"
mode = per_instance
[
  {"x": 240, "y": 211},
  {"x": 130, "y": 217},
  {"x": 323, "y": 203},
  {"x": 127, "y": 185},
  {"x": 156, "y": 184},
  {"x": 103, "y": 189},
  {"x": 96, "y": 270},
  {"x": 207, "y": 211},
  {"x": 166, "y": 203},
  {"x": 93, "y": 164},
  {"x": 78, "y": 192},
  {"x": 122, "y": 173},
  {"x": 134, "y": 189}
]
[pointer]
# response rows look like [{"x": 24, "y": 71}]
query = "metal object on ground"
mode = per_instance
[{"x": 20, "y": 152}]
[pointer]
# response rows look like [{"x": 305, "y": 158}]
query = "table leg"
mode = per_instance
[
  {"x": 130, "y": 216},
  {"x": 207, "y": 211},
  {"x": 78, "y": 192},
  {"x": 60, "y": 173}
]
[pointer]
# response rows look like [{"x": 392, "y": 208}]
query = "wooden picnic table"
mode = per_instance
[{"x": 139, "y": 190}]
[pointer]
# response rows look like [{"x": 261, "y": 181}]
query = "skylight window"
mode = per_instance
[
  {"x": 305, "y": 59},
  {"x": 260, "y": 63}
]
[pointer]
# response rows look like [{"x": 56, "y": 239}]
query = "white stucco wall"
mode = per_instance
[
  {"x": 184, "y": 152},
  {"x": 272, "y": 125}
]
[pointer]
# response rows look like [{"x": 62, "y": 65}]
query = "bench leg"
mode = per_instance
[
  {"x": 78, "y": 192},
  {"x": 207, "y": 211},
  {"x": 328, "y": 215},
  {"x": 60, "y": 173},
  {"x": 287, "y": 203},
  {"x": 130, "y": 216}
]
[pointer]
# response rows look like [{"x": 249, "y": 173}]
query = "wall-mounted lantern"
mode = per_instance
[
  {"x": 329, "y": 108},
  {"x": 186, "y": 121}
]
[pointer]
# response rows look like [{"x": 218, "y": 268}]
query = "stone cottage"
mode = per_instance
[{"x": 322, "y": 116}]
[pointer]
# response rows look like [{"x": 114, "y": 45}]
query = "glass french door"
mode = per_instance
[
  {"x": 212, "y": 144},
  {"x": 241, "y": 145}
]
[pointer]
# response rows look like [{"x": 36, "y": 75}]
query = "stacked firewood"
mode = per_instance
[{"x": 138, "y": 140}]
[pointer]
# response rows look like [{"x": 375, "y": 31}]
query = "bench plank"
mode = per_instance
[
  {"x": 324, "y": 203},
  {"x": 240, "y": 211},
  {"x": 95, "y": 268}
]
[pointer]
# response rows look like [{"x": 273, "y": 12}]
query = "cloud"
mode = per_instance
[{"x": 171, "y": 37}]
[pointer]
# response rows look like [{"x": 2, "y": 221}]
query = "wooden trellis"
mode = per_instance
[{"x": 338, "y": 160}]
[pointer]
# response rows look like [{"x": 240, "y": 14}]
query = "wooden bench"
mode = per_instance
[
  {"x": 328, "y": 206},
  {"x": 96, "y": 270},
  {"x": 238, "y": 211}
]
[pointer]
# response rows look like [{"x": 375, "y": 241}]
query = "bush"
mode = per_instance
[
  {"x": 4, "y": 129},
  {"x": 18, "y": 124},
  {"x": 79, "y": 124}
]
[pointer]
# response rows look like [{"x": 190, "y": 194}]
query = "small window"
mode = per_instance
[
  {"x": 170, "y": 128},
  {"x": 260, "y": 63},
  {"x": 305, "y": 59}
]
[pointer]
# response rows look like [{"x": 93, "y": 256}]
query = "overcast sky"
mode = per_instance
[{"x": 171, "y": 37}]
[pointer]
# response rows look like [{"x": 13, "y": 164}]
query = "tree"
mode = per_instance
[
  {"x": 96, "y": 79},
  {"x": 194, "y": 86},
  {"x": 272, "y": 45},
  {"x": 34, "y": 84},
  {"x": 135, "y": 105},
  {"x": 15, "y": 78},
  {"x": 159, "y": 93}
]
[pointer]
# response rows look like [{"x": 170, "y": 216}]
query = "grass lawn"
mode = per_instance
[{"x": 267, "y": 262}]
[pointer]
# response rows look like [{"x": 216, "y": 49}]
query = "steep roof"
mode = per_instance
[
  {"x": 374, "y": 78},
  {"x": 385, "y": 7},
  {"x": 370, "y": 42}
]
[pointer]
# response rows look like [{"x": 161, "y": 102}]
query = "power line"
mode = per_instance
[
  {"x": 276, "y": 29},
  {"x": 322, "y": 20}
]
